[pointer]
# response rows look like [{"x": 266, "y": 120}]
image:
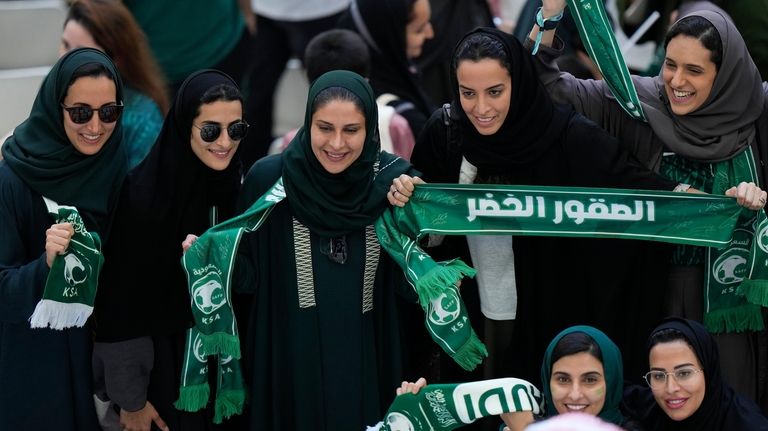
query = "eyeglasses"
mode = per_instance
[
  {"x": 83, "y": 114},
  {"x": 658, "y": 379},
  {"x": 210, "y": 132}
]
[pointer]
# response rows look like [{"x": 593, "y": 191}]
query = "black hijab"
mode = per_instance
[
  {"x": 721, "y": 409},
  {"x": 533, "y": 123},
  {"x": 40, "y": 152},
  {"x": 169, "y": 195},
  {"x": 381, "y": 23}
]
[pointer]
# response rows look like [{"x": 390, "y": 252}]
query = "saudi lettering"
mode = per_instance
[
  {"x": 437, "y": 402},
  {"x": 575, "y": 210},
  {"x": 493, "y": 397},
  {"x": 207, "y": 268},
  {"x": 277, "y": 193}
]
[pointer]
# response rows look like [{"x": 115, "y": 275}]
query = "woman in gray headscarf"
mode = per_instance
[{"x": 706, "y": 129}]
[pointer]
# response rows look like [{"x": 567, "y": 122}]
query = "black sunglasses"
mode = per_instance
[
  {"x": 83, "y": 114},
  {"x": 210, "y": 132}
]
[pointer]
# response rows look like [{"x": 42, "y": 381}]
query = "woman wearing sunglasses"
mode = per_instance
[
  {"x": 69, "y": 151},
  {"x": 187, "y": 183},
  {"x": 323, "y": 343},
  {"x": 687, "y": 391},
  {"x": 92, "y": 23}
]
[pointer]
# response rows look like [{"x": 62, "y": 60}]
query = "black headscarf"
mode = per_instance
[
  {"x": 381, "y": 23},
  {"x": 332, "y": 205},
  {"x": 40, "y": 153},
  {"x": 166, "y": 197},
  {"x": 722, "y": 409},
  {"x": 533, "y": 123}
]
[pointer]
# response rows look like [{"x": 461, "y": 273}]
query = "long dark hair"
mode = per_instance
[{"x": 115, "y": 30}]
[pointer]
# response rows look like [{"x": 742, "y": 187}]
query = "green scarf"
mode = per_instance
[
  {"x": 736, "y": 278},
  {"x": 208, "y": 264},
  {"x": 330, "y": 205},
  {"x": 696, "y": 219},
  {"x": 613, "y": 370},
  {"x": 600, "y": 42},
  {"x": 70, "y": 288},
  {"x": 230, "y": 390},
  {"x": 451, "y": 406}
]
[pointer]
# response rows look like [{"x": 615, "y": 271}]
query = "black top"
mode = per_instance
[{"x": 143, "y": 289}]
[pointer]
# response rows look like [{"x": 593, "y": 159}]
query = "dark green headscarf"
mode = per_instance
[
  {"x": 40, "y": 153},
  {"x": 612, "y": 368},
  {"x": 332, "y": 205}
]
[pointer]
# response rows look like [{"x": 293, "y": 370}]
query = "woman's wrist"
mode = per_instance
[{"x": 550, "y": 13}]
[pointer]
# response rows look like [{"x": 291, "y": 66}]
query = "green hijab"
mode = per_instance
[
  {"x": 40, "y": 153},
  {"x": 612, "y": 368},
  {"x": 333, "y": 205}
]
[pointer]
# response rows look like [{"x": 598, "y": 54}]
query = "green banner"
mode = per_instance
[
  {"x": 681, "y": 218},
  {"x": 600, "y": 42}
]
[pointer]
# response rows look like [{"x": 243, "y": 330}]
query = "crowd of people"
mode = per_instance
[{"x": 160, "y": 270}]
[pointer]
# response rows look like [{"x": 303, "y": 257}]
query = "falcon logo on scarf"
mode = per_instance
[{"x": 70, "y": 289}]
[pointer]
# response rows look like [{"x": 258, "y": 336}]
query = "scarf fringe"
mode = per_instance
[
  {"x": 471, "y": 353},
  {"x": 434, "y": 283},
  {"x": 220, "y": 343},
  {"x": 756, "y": 291},
  {"x": 193, "y": 398},
  {"x": 59, "y": 315},
  {"x": 742, "y": 318},
  {"x": 228, "y": 403}
]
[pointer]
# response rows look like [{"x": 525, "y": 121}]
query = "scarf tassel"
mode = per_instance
[
  {"x": 756, "y": 291},
  {"x": 431, "y": 285},
  {"x": 59, "y": 315},
  {"x": 228, "y": 403},
  {"x": 193, "y": 398},
  {"x": 471, "y": 353},
  {"x": 742, "y": 318},
  {"x": 220, "y": 343}
]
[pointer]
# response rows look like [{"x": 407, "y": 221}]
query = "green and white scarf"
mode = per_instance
[
  {"x": 70, "y": 288},
  {"x": 696, "y": 219},
  {"x": 230, "y": 391},
  {"x": 736, "y": 279},
  {"x": 600, "y": 42},
  {"x": 714, "y": 221},
  {"x": 449, "y": 406},
  {"x": 208, "y": 264}
]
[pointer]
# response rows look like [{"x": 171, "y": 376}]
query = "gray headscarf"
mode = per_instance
[
  {"x": 688, "y": 7},
  {"x": 724, "y": 125}
]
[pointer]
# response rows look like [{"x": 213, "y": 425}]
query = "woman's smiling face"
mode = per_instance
[
  {"x": 688, "y": 74},
  {"x": 485, "y": 92},
  {"x": 578, "y": 384}
]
